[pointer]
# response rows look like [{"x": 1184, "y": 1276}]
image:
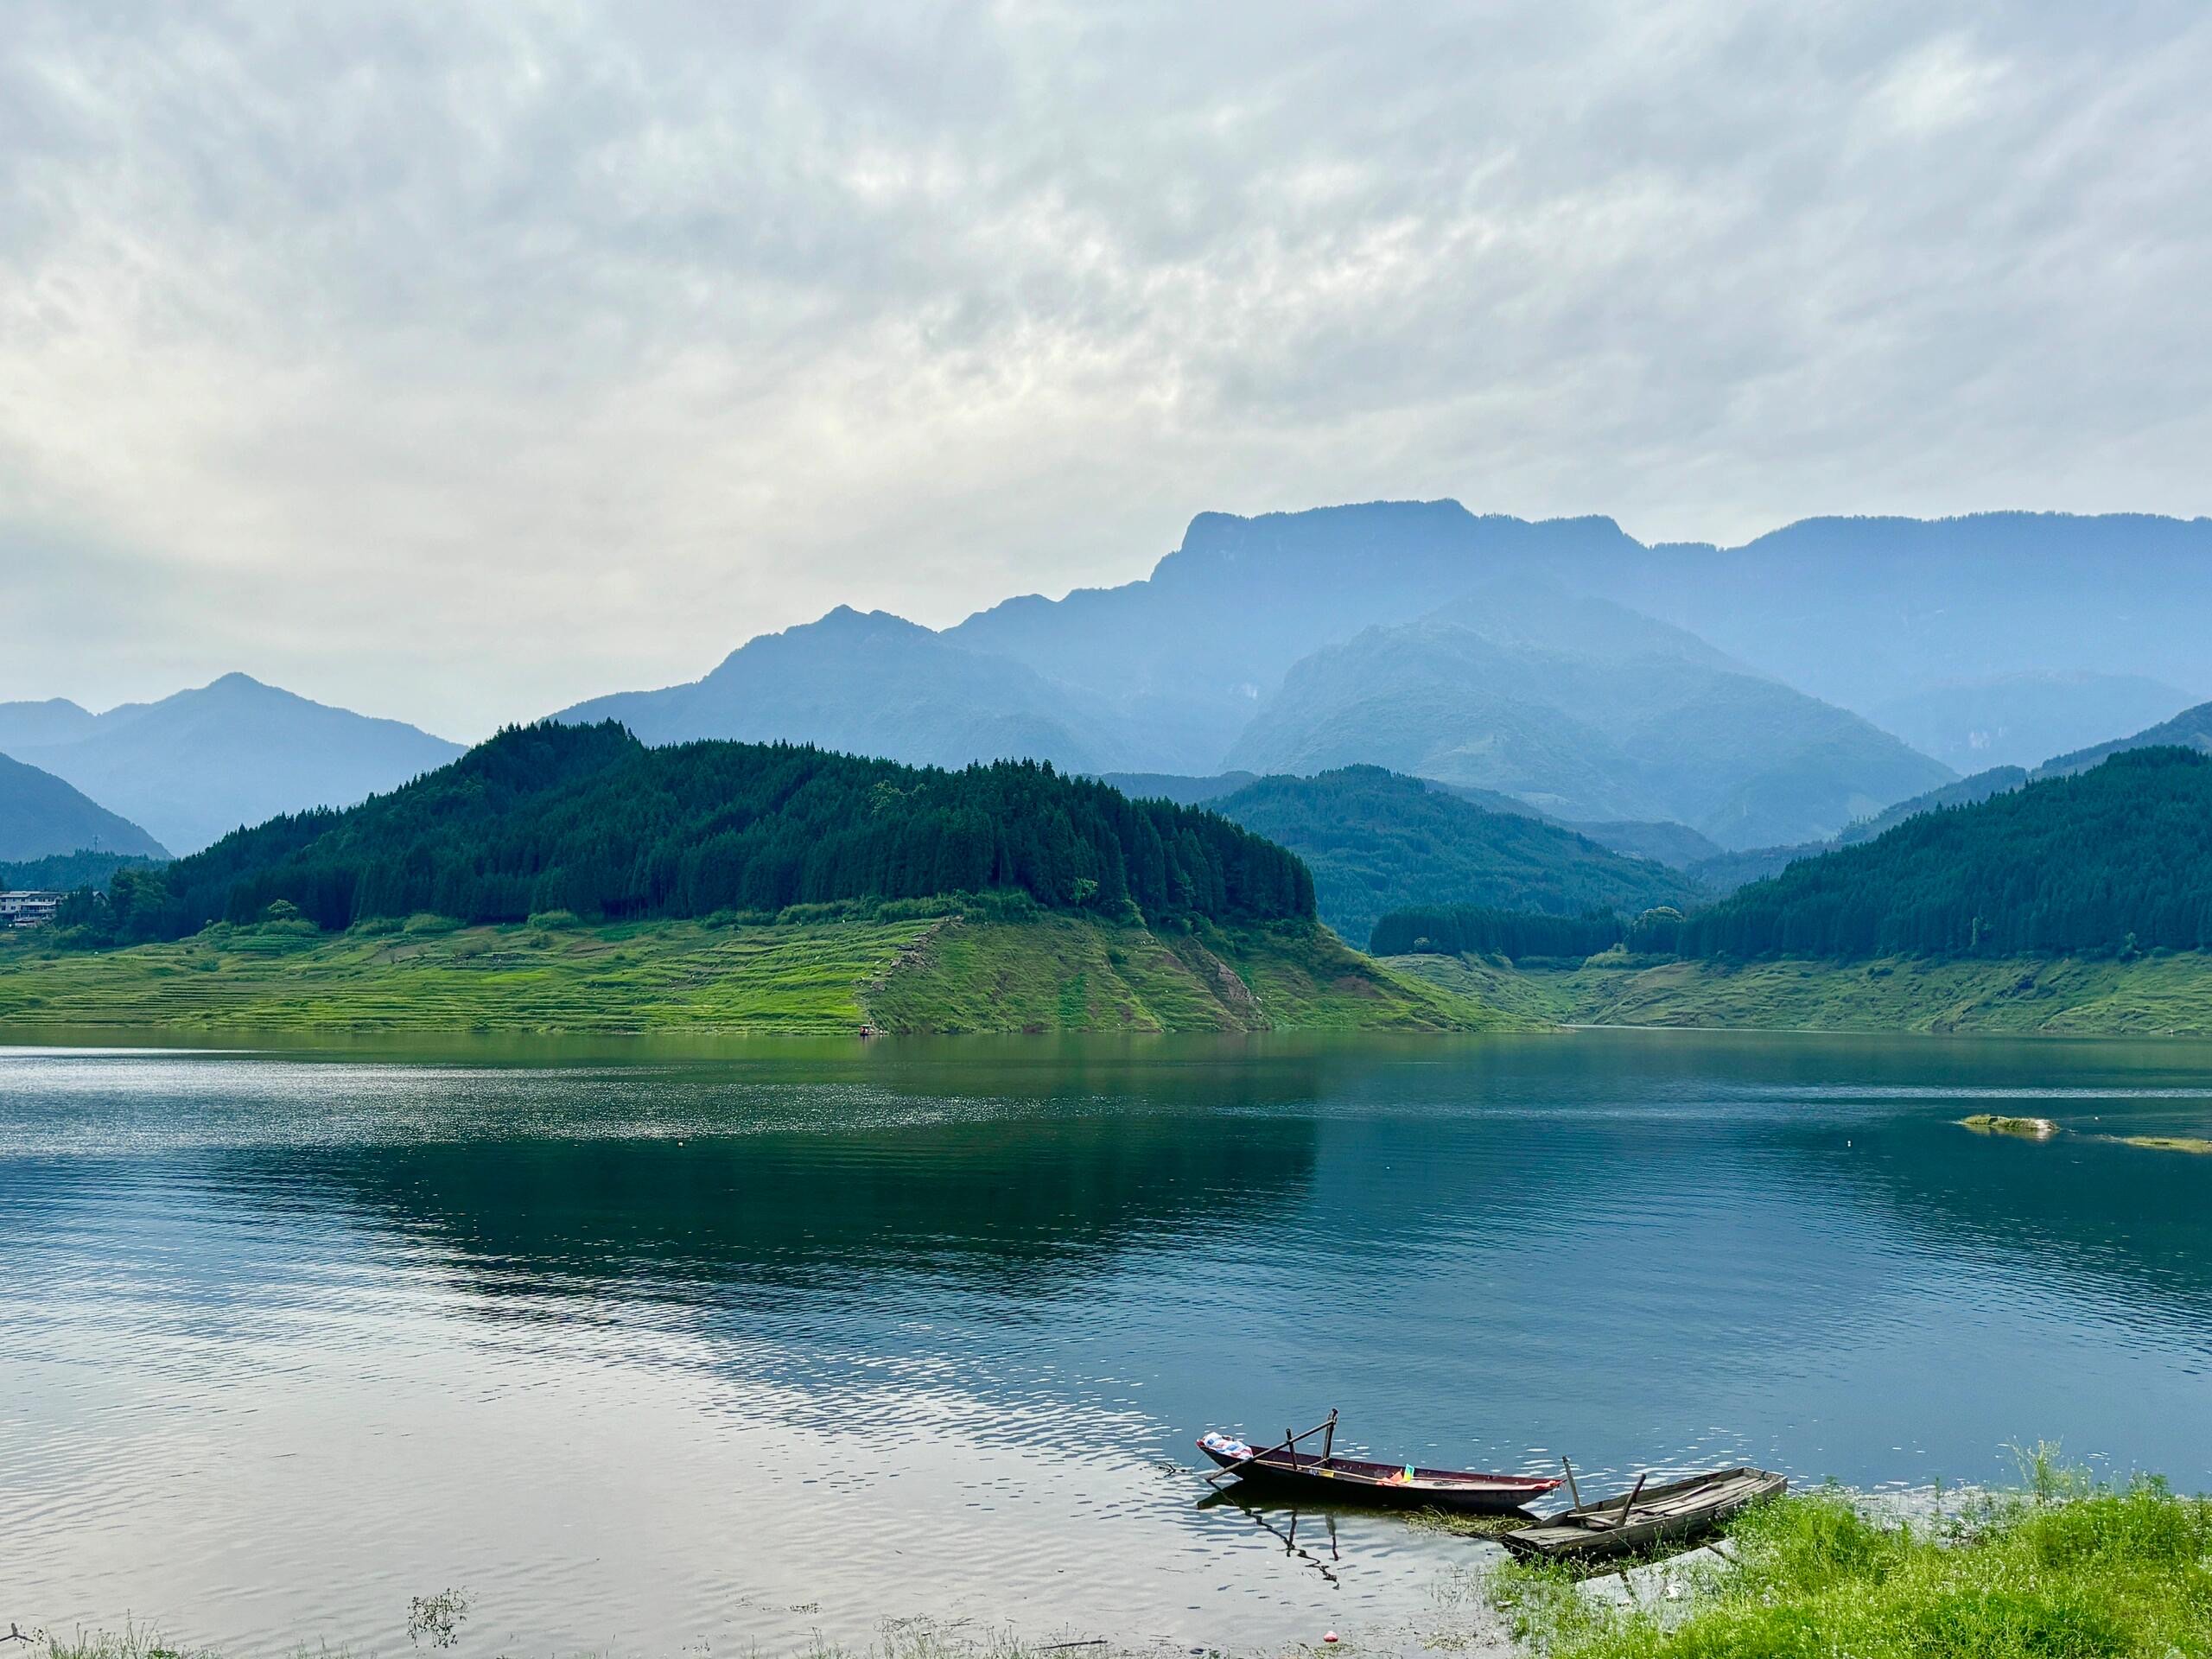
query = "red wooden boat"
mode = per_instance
[{"x": 1333, "y": 1480}]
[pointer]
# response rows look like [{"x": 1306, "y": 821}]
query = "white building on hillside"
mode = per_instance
[{"x": 27, "y": 907}]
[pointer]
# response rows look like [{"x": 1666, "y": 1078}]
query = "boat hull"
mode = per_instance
[
  {"x": 1674, "y": 1513},
  {"x": 1356, "y": 1480}
]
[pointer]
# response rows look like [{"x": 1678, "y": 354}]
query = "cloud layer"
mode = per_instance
[{"x": 456, "y": 366}]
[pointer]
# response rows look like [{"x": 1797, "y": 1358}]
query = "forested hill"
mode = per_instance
[
  {"x": 1375, "y": 841},
  {"x": 2116, "y": 858},
  {"x": 587, "y": 819}
]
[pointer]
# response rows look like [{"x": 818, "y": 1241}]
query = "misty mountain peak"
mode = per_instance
[
  {"x": 236, "y": 687},
  {"x": 845, "y": 620}
]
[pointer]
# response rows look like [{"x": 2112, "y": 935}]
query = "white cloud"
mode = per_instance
[
  {"x": 457, "y": 363},
  {"x": 1937, "y": 87}
]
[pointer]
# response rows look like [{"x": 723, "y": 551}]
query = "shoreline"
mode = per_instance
[
  {"x": 2167, "y": 996},
  {"x": 1888, "y": 1573}
]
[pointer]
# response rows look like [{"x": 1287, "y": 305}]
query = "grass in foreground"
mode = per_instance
[{"x": 2125, "y": 1574}]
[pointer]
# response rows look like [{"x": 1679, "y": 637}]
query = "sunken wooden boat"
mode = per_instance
[
  {"x": 1644, "y": 1518},
  {"x": 1327, "y": 1479}
]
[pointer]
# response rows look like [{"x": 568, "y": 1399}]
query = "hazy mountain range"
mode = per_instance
[
  {"x": 879, "y": 685},
  {"x": 1854, "y": 611},
  {"x": 2022, "y": 720},
  {"x": 2190, "y": 730},
  {"x": 1660, "y": 699},
  {"x": 41, "y": 815},
  {"x": 1589, "y": 711},
  {"x": 194, "y": 766}
]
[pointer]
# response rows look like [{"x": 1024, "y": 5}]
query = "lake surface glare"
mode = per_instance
[{"x": 658, "y": 1348}]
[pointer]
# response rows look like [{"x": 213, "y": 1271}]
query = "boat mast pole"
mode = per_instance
[
  {"x": 1628, "y": 1504},
  {"x": 1329, "y": 1438}
]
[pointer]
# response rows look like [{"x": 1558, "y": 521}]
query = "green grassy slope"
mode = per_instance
[
  {"x": 1059, "y": 973},
  {"x": 286, "y": 977},
  {"x": 2073, "y": 1570},
  {"x": 1064, "y": 974},
  {"x": 2150, "y": 996}
]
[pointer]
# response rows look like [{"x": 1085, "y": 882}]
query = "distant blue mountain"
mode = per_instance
[
  {"x": 1854, "y": 611},
  {"x": 2022, "y": 720},
  {"x": 1181, "y": 673},
  {"x": 1590, "y": 712},
  {"x": 40, "y": 817},
  {"x": 2189, "y": 729},
  {"x": 876, "y": 684},
  {"x": 33, "y": 725},
  {"x": 194, "y": 766}
]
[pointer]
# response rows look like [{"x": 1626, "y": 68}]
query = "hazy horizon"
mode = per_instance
[{"x": 673, "y": 674}]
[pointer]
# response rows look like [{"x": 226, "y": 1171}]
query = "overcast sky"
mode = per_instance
[{"x": 455, "y": 369}]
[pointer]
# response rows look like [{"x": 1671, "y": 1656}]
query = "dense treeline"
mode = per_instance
[
  {"x": 1474, "y": 930},
  {"x": 586, "y": 819},
  {"x": 1376, "y": 841},
  {"x": 67, "y": 872},
  {"x": 2116, "y": 858}
]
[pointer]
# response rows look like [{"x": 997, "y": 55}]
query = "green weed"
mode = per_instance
[{"x": 2064, "y": 1571}]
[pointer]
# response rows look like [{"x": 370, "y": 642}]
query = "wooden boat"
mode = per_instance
[
  {"x": 1647, "y": 1517},
  {"x": 1331, "y": 1479}
]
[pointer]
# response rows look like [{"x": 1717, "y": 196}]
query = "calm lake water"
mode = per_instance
[{"x": 661, "y": 1349}]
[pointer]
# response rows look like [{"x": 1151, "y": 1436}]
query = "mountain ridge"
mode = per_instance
[
  {"x": 1652, "y": 725},
  {"x": 44, "y": 816},
  {"x": 1810, "y": 600},
  {"x": 203, "y": 761},
  {"x": 875, "y": 683}
]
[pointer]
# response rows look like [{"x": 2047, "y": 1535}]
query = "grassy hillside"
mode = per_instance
[
  {"x": 1055, "y": 973},
  {"x": 2160, "y": 995},
  {"x": 1376, "y": 841},
  {"x": 1065, "y": 973}
]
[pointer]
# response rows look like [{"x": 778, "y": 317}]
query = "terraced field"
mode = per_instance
[
  {"x": 666, "y": 976},
  {"x": 2156, "y": 995},
  {"x": 929, "y": 974},
  {"x": 1064, "y": 974}
]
